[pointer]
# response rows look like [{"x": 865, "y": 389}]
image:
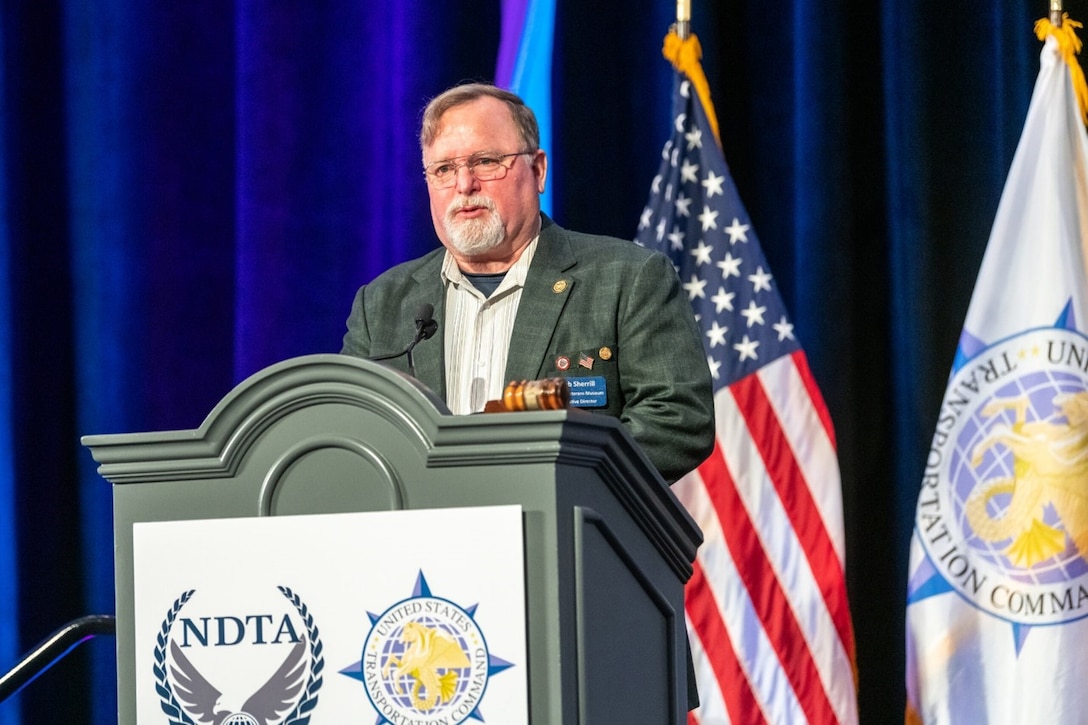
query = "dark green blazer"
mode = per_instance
[{"x": 605, "y": 298}]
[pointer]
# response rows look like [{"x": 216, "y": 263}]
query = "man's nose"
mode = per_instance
[{"x": 466, "y": 180}]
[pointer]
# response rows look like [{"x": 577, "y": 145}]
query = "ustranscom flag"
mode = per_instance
[{"x": 998, "y": 582}]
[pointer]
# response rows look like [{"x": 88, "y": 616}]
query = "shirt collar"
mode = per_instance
[{"x": 515, "y": 276}]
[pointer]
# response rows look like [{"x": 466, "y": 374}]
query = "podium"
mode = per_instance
[{"x": 607, "y": 547}]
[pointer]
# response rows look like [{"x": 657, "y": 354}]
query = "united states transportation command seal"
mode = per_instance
[
  {"x": 1003, "y": 512},
  {"x": 425, "y": 661}
]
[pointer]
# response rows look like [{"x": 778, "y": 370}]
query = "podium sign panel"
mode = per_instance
[
  {"x": 409, "y": 616},
  {"x": 605, "y": 549}
]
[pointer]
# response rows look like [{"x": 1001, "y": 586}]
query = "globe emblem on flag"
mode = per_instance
[
  {"x": 1007, "y": 522},
  {"x": 1022, "y": 542}
]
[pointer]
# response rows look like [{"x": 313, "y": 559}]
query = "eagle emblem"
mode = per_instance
[{"x": 266, "y": 706}]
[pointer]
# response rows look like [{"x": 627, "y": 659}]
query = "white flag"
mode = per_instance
[{"x": 997, "y": 597}]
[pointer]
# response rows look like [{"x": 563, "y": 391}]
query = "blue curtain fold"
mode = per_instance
[{"x": 190, "y": 192}]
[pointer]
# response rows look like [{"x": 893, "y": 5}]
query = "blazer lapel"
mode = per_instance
[
  {"x": 428, "y": 355},
  {"x": 547, "y": 289}
]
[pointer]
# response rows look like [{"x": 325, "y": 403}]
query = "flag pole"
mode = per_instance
[
  {"x": 1056, "y": 13},
  {"x": 683, "y": 17}
]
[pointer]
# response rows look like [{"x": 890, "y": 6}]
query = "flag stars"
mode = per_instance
[
  {"x": 709, "y": 218},
  {"x": 683, "y": 205},
  {"x": 689, "y": 172},
  {"x": 737, "y": 232},
  {"x": 753, "y": 314},
  {"x": 676, "y": 239},
  {"x": 701, "y": 253},
  {"x": 714, "y": 364},
  {"x": 713, "y": 185},
  {"x": 716, "y": 334},
  {"x": 760, "y": 280},
  {"x": 695, "y": 217},
  {"x": 784, "y": 329},
  {"x": 747, "y": 349},
  {"x": 646, "y": 219},
  {"x": 723, "y": 300},
  {"x": 695, "y": 288},
  {"x": 694, "y": 138},
  {"x": 730, "y": 266}
]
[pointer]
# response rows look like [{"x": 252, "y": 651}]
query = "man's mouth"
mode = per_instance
[{"x": 469, "y": 209}]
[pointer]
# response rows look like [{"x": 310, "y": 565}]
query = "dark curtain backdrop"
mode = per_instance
[{"x": 191, "y": 191}]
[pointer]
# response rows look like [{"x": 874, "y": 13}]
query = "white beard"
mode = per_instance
[{"x": 473, "y": 237}]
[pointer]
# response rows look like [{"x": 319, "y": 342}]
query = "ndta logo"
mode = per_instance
[{"x": 259, "y": 667}]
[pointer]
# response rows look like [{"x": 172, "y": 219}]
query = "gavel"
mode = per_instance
[{"x": 544, "y": 394}]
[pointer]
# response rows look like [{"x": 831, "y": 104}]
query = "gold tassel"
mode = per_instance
[
  {"x": 685, "y": 56},
  {"x": 1069, "y": 46}
]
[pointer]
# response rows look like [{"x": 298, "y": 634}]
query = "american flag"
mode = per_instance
[{"x": 766, "y": 605}]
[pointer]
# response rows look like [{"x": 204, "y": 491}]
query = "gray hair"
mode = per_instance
[{"x": 523, "y": 116}]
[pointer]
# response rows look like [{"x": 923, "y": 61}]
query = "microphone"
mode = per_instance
[{"x": 426, "y": 326}]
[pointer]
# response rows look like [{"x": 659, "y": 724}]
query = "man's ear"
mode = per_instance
[{"x": 540, "y": 169}]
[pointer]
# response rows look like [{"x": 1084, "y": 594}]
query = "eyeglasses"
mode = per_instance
[{"x": 484, "y": 166}]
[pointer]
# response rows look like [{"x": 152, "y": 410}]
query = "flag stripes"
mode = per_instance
[
  {"x": 737, "y": 500},
  {"x": 806, "y": 515},
  {"x": 777, "y": 544},
  {"x": 705, "y": 617},
  {"x": 800, "y": 363},
  {"x": 760, "y": 689}
]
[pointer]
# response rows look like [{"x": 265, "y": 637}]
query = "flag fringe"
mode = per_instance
[
  {"x": 685, "y": 54},
  {"x": 1069, "y": 46}
]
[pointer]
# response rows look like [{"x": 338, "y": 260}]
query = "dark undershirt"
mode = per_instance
[{"x": 486, "y": 283}]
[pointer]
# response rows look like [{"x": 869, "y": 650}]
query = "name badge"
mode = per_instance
[{"x": 588, "y": 392}]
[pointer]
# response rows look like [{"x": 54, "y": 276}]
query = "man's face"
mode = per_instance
[{"x": 485, "y": 222}]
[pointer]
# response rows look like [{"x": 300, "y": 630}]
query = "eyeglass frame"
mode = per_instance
[{"x": 479, "y": 156}]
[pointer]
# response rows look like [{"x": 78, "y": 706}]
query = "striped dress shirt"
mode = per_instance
[{"x": 477, "y": 333}]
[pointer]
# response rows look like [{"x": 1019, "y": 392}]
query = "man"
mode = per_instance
[{"x": 518, "y": 297}]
